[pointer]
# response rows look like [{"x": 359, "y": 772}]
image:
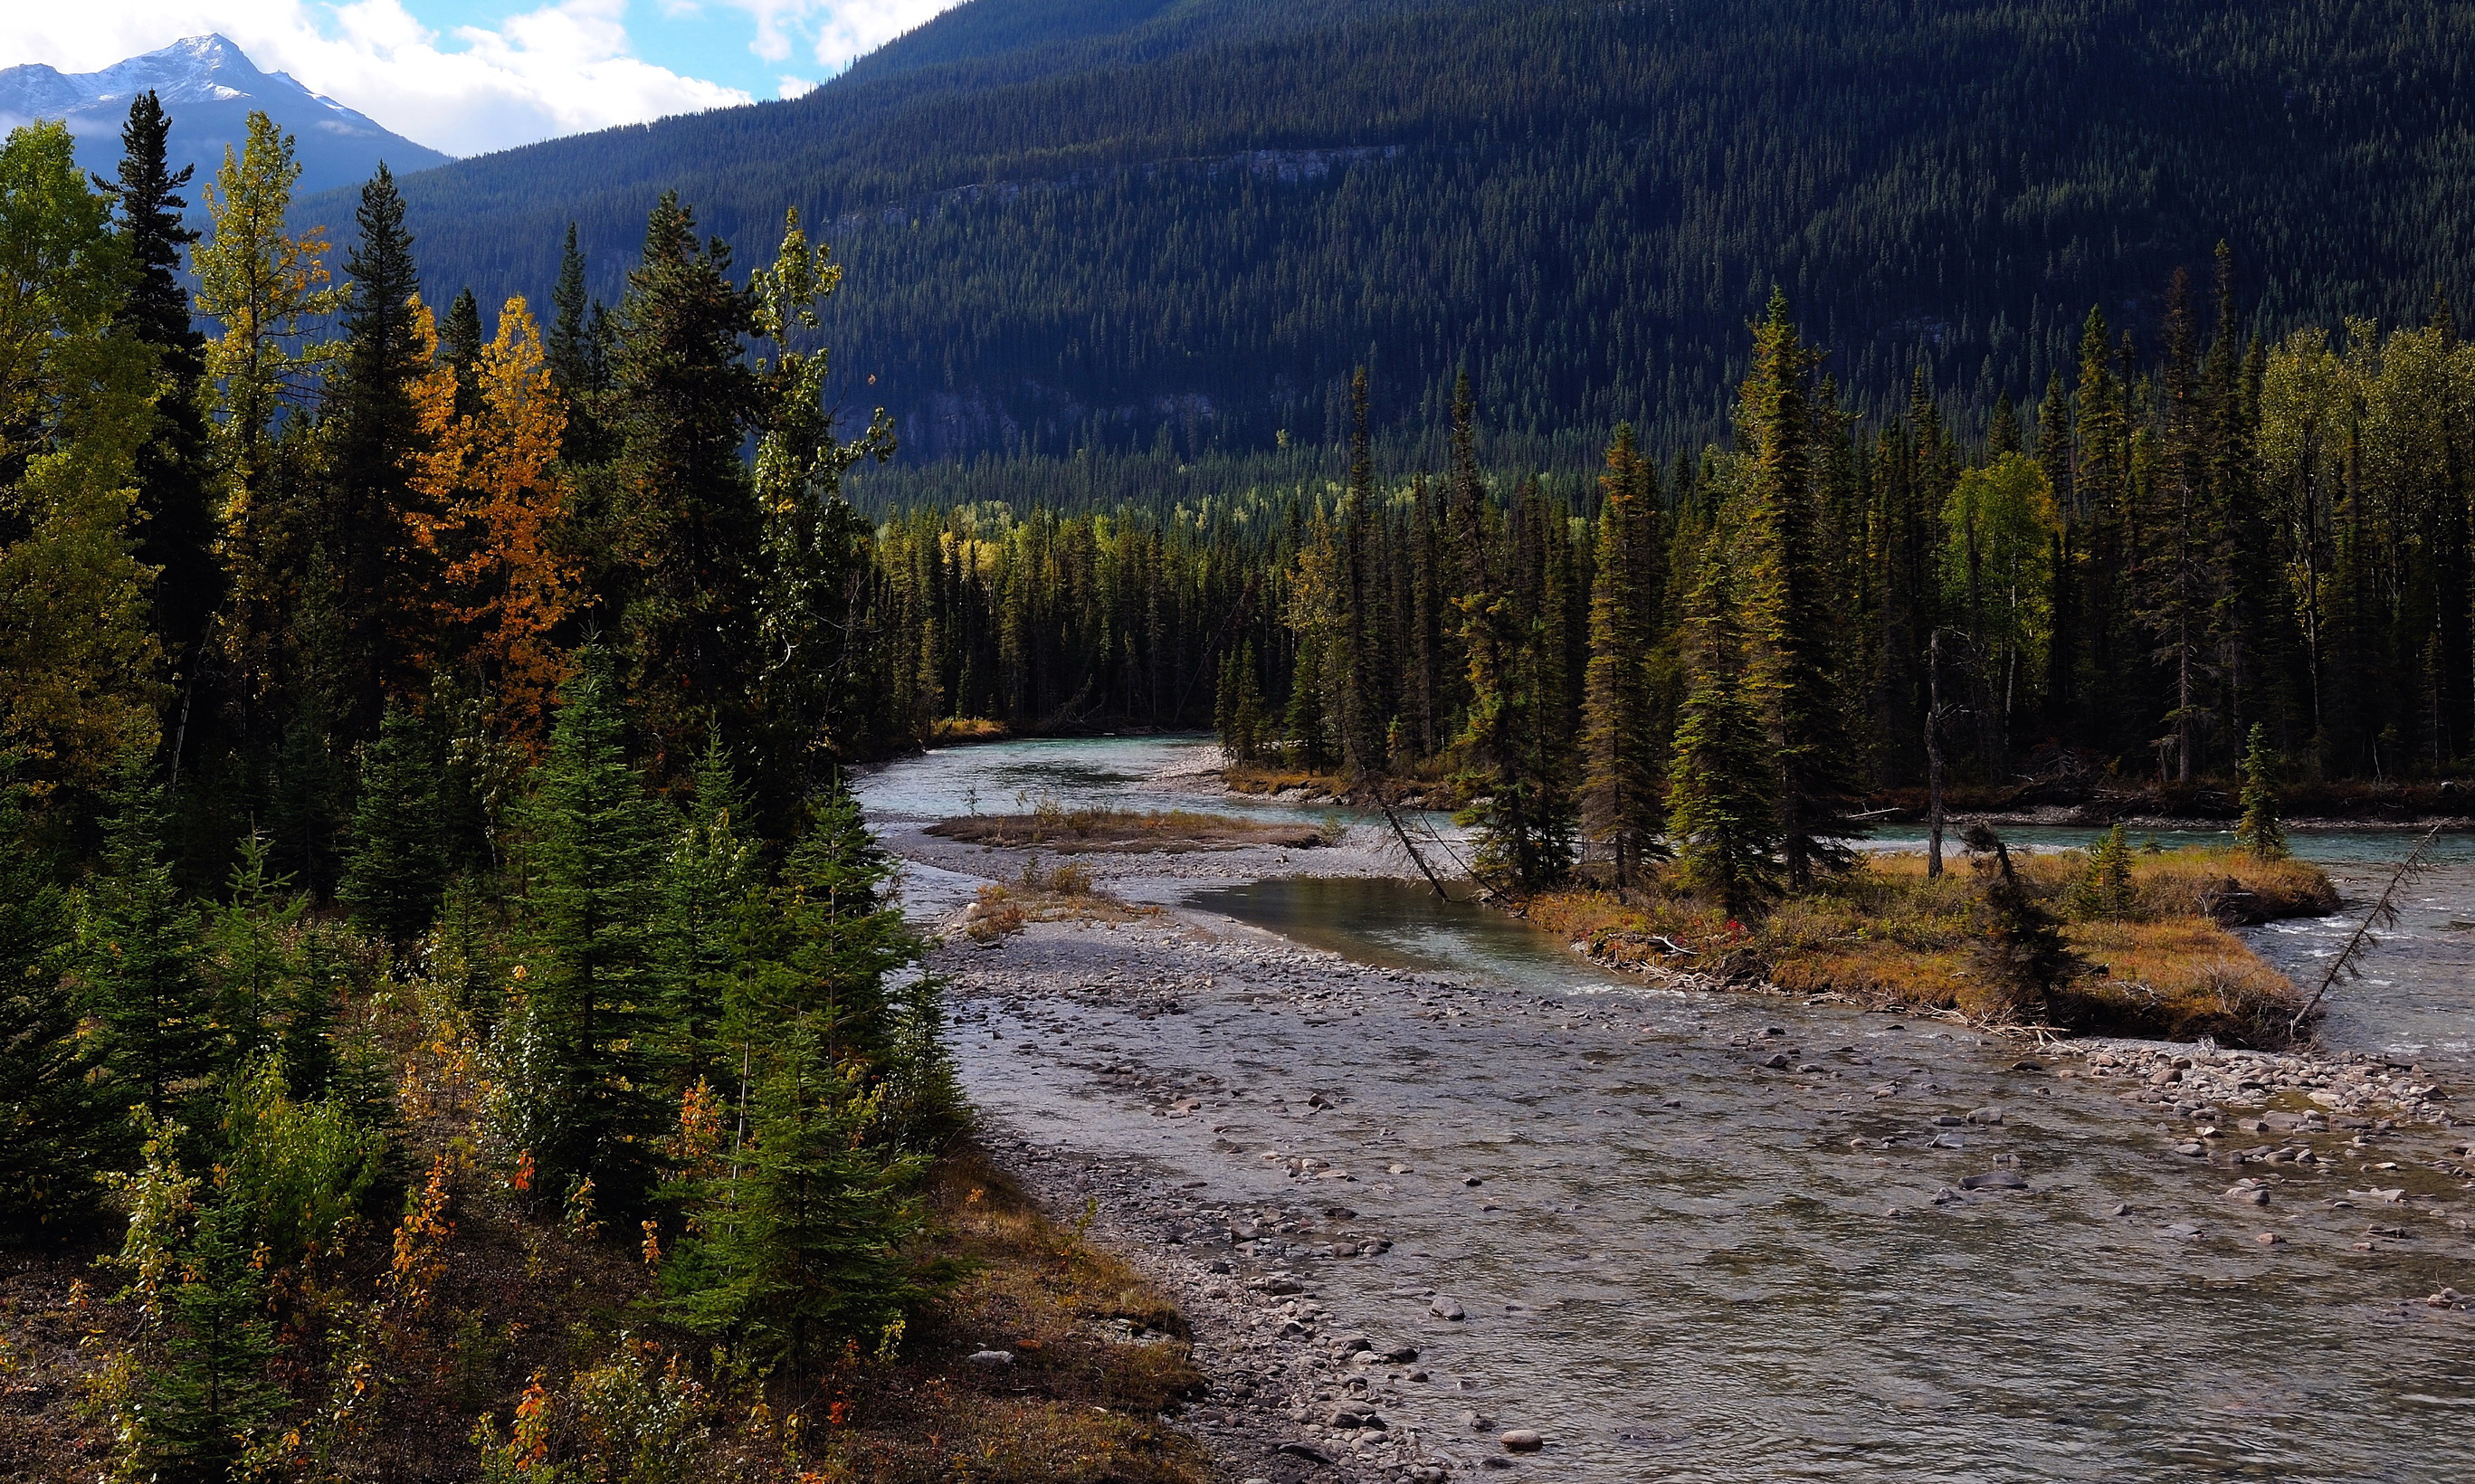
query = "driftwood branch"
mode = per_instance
[{"x": 2349, "y": 964}]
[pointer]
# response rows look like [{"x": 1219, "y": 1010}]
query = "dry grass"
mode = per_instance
[
  {"x": 1888, "y": 934},
  {"x": 1280, "y": 778},
  {"x": 951, "y": 731},
  {"x": 1122, "y": 830},
  {"x": 1064, "y": 892},
  {"x": 1098, "y": 1354}
]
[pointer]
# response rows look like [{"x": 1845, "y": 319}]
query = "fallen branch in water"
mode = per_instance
[{"x": 2349, "y": 964}]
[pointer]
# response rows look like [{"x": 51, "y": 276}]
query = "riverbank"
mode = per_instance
[{"x": 2157, "y": 962}]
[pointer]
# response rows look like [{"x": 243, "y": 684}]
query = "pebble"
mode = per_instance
[
  {"x": 1995, "y": 1179},
  {"x": 1523, "y": 1439},
  {"x": 992, "y": 1358},
  {"x": 1446, "y": 1308}
]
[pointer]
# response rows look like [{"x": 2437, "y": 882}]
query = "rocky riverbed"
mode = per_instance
[
  {"x": 1441, "y": 1207},
  {"x": 1412, "y": 1217}
]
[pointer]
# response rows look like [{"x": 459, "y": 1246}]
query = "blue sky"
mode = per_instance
[{"x": 469, "y": 76}]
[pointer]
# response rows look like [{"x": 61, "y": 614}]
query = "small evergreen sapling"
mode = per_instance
[
  {"x": 2260, "y": 832},
  {"x": 137, "y": 944},
  {"x": 2106, "y": 890},
  {"x": 393, "y": 873},
  {"x": 53, "y": 1126},
  {"x": 2024, "y": 953}
]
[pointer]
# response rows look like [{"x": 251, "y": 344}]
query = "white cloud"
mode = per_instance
[
  {"x": 852, "y": 29},
  {"x": 561, "y": 69},
  {"x": 838, "y": 31},
  {"x": 795, "y": 88}
]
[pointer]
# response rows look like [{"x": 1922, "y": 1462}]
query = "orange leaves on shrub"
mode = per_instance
[{"x": 420, "y": 1238}]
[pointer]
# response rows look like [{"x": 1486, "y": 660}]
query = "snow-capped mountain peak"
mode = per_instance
[{"x": 208, "y": 85}]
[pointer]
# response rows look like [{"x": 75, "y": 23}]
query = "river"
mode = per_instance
[{"x": 1679, "y": 1265}]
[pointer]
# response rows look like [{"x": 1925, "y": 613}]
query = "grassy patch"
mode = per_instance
[
  {"x": 953, "y": 730},
  {"x": 1122, "y": 830},
  {"x": 1887, "y": 933},
  {"x": 1064, "y": 892}
]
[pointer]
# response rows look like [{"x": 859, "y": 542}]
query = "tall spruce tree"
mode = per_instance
[
  {"x": 1794, "y": 674},
  {"x": 175, "y": 466},
  {"x": 383, "y": 575},
  {"x": 1620, "y": 803},
  {"x": 1722, "y": 816},
  {"x": 594, "y": 1001},
  {"x": 687, "y": 525}
]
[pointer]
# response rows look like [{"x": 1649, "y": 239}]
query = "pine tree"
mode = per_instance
[
  {"x": 1620, "y": 805},
  {"x": 2106, "y": 890},
  {"x": 210, "y": 1403},
  {"x": 394, "y": 874},
  {"x": 1792, "y": 674},
  {"x": 594, "y": 1001},
  {"x": 2024, "y": 952},
  {"x": 706, "y": 882},
  {"x": 138, "y": 944},
  {"x": 2260, "y": 833},
  {"x": 373, "y": 508},
  {"x": 1722, "y": 819},
  {"x": 1360, "y": 709},
  {"x": 54, "y": 1128},
  {"x": 2177, "y": 579},
  {"x": 834, "y": 933},
  {"x": 1303, "y": 720},
  {"x": 802, "y": 1245},
  {"x": 687, "y": 531},
  {"x": 174, "y": 474}
]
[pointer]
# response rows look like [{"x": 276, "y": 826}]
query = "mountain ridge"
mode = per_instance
[{"x": 208, "y": 85}]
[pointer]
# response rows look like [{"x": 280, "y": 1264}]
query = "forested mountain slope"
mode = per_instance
[{"x": 1086, "y": 223}]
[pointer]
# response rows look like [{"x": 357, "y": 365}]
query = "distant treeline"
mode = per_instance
[{"x": 2169, "y": 547}]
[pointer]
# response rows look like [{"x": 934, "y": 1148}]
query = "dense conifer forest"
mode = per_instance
[{"x": 1077, "y": 226}]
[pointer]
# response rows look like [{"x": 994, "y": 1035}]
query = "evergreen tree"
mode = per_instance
[
  {"x": 54, "y": 1128},
  {"x": 137, "y": 944},
  {"x": 2106, "y": 890},
  {"x": 394, "y": 874},
  {"x": 2260, "y": 833},
  {"x": 687, "y": 529},
  {"x": 1303, "y": 719},
  {"x": 706, "y": 882},
  {"x": 2024, "y": 952},
  {"x": 833, "y": 933},
  {"x": 1793, "y": 676},
  {"x": 210, "y": 1403},
  {"x": 383, "y": 573},
  {"x": 174, "y": 473},
  {"x": 1722, "y": 819},
  {"x": 1620, "y": 804},
  {"x": 802, "y": 1245},
  {"x": 594, "y": 1001}
]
